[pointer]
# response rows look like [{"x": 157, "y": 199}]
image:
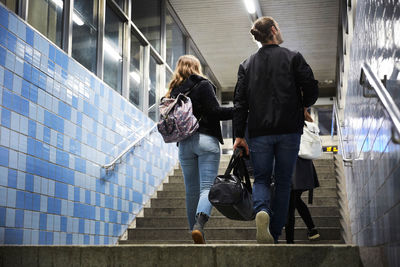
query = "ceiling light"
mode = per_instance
[{"x": 250, "y": 6}]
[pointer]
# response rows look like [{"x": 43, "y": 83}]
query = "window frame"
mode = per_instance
[{"x": 124, "y": 13}]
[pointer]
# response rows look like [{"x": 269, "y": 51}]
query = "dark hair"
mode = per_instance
[{"x": 262, "y": 29}]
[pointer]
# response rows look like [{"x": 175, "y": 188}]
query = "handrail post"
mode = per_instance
[
  {"x": 110, "y": 166},
  {"x": 347, "y": 161},
  {"x": 369, "y": 80}
]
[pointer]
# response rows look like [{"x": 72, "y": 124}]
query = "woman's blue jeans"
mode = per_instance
[
  {"x": 276, "y": 153},
  {"x": 199, "y": 157}
]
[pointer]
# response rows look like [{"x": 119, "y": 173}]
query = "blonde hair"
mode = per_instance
[{"x": 186, "y": 66}]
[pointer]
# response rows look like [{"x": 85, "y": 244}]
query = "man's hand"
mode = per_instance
[
  {"x": 307, "y": 116},
  {"x": 241, "y": 142}
]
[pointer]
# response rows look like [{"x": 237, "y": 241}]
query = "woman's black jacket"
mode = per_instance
[{"x": 205, "y": 105}]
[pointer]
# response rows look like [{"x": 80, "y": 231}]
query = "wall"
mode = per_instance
[
  {"x": 59, "y": 125},
  {"x": 373, "y": 183}
]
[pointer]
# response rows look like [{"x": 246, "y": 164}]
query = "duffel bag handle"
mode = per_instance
[{"x": 234, "y": 159}]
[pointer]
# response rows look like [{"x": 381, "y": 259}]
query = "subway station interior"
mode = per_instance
[{"x": 87, "y": 180}]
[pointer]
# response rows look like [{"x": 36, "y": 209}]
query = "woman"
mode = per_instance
[
  {"x": 199, "y": 154},
  {"x": 304, "y": 179}
]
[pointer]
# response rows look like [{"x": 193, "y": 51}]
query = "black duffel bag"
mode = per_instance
[{"x": 229, "y": 194}]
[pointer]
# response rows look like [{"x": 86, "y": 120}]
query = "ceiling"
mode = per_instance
[{"x": 220, "y": 29}]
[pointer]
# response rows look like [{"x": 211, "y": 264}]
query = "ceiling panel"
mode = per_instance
[{"x": 220, "y": 29}]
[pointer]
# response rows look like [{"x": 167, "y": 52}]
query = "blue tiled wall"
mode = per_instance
[
  {"x": 59, "y": 125},
  {"x": 373, "y": 183}
]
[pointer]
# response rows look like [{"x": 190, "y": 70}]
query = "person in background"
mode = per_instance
[
  {"x": 199, "y": 154},
  {"x": 274, "y": 87},
  {"x": 304, "y": 179}
]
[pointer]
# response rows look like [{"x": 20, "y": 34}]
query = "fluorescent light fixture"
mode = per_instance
[
  {"x": 135, "y": 75},
  {"x": 77, "y": 19},
  {"x": 111, "y": 51},
  {"x": 250, "y": 6},
  {"x": 58, "y": 3}
]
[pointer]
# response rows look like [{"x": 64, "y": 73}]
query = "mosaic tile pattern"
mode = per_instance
[
  {"x": 59, "y": 125},
  {"x": 373, "y": 184}
]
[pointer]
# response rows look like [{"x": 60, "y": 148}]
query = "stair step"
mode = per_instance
[
  {"x": 325, "y": 157},
  {"x": 220, "y": 221},
  {"x": 235, "y": 242},
  {"x": 181, "y": 187},
  {"x": 236, "y": 233},
  {"x": 161, "y": 212},
  {"x": 320, "y": 174},
  {"x": 180, "y": 202},
  {"x": 182, "y": 255},
  {"x": 178, "y": 179},
  {"x": 178, "y": 190},
  {"x": 325, "y": 165}
]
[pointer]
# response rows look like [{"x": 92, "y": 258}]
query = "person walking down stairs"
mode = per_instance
[{"x": 199, "y": 154}]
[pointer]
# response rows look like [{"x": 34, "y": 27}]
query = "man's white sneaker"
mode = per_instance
[{"x": 262, "y": 222}]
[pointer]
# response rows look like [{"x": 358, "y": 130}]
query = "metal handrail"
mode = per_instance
[
  {"x": 369, "y": 80},
  {"x": 340, "y": 136},
  {"x": 111, "y": 165}
]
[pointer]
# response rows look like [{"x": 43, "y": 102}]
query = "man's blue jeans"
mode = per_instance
[
  {"x": 276, "y": 153},
  {"x": 199, "y": 157}
]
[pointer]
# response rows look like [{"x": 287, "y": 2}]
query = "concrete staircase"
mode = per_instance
[
  {"x": 165, "y": 221},
  {"x": 161, "y": 238}
]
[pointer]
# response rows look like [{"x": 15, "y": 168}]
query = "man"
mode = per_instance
[{"x": 275, "y": 86}]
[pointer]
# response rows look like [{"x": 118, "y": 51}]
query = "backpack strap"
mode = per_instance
[{"x": 191, "y": 88}]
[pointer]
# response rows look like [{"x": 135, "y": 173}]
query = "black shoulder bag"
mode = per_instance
[{"x": 229, "y": 194}]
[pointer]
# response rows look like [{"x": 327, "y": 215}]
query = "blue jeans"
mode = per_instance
[
  {"x": 199, "y": 157},
  {"x": 276, "y": 153}
]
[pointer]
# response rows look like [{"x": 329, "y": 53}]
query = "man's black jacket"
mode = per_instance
[
  {"x": 274, "y": 85},
  {"x": 205, "y": 105}
]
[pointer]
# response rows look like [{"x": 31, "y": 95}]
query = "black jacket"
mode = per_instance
[
  {"x": 205, "y": 105},
  {"x": 304, "y": 175},
  {"x": 273, "y": 87}
]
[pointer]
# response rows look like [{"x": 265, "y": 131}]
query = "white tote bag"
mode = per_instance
[{"x": 310, "y": 144}]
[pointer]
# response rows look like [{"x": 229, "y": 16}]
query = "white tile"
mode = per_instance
[
  {"x": 43, "y": 203},
  {"x": 13, "y": 159},
  {"x": 10, "y": 217},
  {"x": 35, "y": 237},
  {"x": 15, "y": 121},
  {"x": 27, "y": 219},
  {"x": 4, "y": 136},
  {"x": 21, "y": 180}
]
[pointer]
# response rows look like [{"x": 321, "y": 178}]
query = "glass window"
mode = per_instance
[
  {"x": 84, "y": 33},
  {"x": 168, "y": 77},
  {"x": 192, "y": 51},
  {"x": 176, "y": 42},
  {"x": 147, "y": 17},
  {"x": 10, "y": 4},
  {"x": 135, "y": 75},
  {"x": 46, "y": 17},
  {"x": 113, "y": 32},
  {"x": 153, "y": 89}
]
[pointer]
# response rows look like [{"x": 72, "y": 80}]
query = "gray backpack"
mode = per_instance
[{"x": 177, "y": 121}]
